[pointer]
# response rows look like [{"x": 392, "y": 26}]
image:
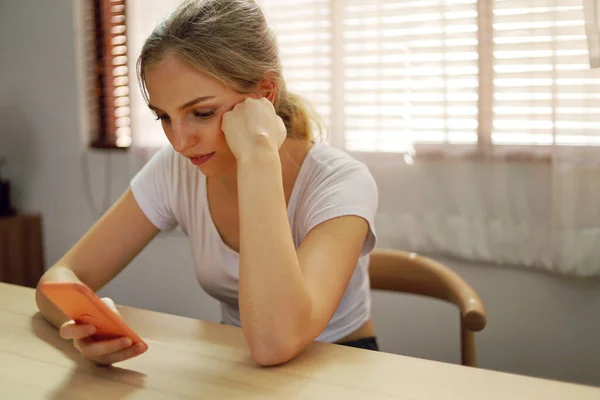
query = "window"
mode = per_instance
[
  {"x": 435, "y": 75},
  {"x": 142, "y": 17},
  {"x": 544, "y": 89},
  {"x": 400, "y": 72},
  {"x": 409, "y": 73},
  {"x": 108, "y": 82}
]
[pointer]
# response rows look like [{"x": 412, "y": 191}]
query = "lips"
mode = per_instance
[{"x": 199, "y": 160}]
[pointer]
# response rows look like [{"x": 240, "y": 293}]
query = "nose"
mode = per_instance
[{"x": 183, "y": 137}]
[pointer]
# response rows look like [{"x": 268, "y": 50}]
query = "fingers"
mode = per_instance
[
  {"x": 103, "y": 352},
  {"x": 111, "y": 304},
  {"x": 72, "y": 330},
  {"x": 123, "y": 355},
  {"x": 108, "y": 352},
  {"x": 92, "y": 349}
]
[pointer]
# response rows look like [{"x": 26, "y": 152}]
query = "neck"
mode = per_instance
[{"x": 229, "y": 182}]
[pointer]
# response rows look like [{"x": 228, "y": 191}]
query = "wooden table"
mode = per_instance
[{"x": 190, "y": 359}]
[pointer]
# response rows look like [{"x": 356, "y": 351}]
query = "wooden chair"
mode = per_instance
[{"x": 400, "y": 271}]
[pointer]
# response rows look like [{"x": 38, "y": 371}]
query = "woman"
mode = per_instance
[{"x": 280, "y": 227}]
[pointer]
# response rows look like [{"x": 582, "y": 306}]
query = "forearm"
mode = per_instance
[
  {"x": 275, "y": 306},
  {"x": 57, "y": 273}
]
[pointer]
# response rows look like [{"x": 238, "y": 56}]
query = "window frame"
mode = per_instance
[{"x": 106, "y": 47}]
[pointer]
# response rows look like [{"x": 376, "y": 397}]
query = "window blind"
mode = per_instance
[
  {"x": 109, "y": 84},
  {"x": 390, "y": 74},
  {"x": 410, "y": 73},
  {"x": 544, "y": 90},
  {"x": 143, "y": 16},
  {"x": 304, "y": 35}
]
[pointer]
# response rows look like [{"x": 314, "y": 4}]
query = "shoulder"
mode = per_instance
[
  {"x": 169, "y": 160},
  {"x": 334, "y": 184},
  {"x": 327, "y": 166},
  {"x": 331, "y": 182},
  {"x": 331, "y": 157},
  {"x": 162, "y": 186},
  {"x": 166, "y": 166}
]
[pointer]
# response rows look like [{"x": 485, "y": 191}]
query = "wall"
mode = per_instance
[
  {"x": 540, "y": 325},
  {"x": 41, "y": 138}
]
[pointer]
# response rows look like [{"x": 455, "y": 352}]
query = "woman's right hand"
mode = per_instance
[{"x": 103, "y": 352}]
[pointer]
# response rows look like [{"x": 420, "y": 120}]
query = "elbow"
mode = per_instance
[
  {"x": 279, "y": 345},
  {"x": 271, "y": 351},
  {"x": 280, "y": 340}
]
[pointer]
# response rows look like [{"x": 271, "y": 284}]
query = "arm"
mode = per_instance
[
  {"x": 287, "y": 297},
  {"x": 101, "y": 253}
]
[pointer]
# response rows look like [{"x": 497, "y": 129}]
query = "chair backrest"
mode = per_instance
[{"x": 400, "y": 271}]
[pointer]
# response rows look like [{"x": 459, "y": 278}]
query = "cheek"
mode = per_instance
[
  {"x": 168, "y": 132},
  {"x": 217, "y": 133}
]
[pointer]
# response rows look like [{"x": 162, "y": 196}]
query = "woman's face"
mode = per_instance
[{"x": 190, "y": 106}]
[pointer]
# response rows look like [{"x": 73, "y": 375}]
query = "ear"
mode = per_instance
[{"x": 267, "y": 89}]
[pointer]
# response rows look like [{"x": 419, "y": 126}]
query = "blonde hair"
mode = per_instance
[{"x": 230, "y": 41}]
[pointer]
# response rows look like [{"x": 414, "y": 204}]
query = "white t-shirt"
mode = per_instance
[{"x": 330, "y": 183}]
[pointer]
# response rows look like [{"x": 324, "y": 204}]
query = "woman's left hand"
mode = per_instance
[{"x": 253, "y": 126}]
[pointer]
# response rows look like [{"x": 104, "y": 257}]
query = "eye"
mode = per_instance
[
  {"x": 204, "y": 115},
  {"x": 162, "y": 117}
]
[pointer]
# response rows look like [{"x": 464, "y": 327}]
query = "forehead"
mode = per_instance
[{"x": 172, "y": 82}]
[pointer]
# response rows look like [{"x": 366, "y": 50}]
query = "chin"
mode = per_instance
[{"x": 217, "y": 171}]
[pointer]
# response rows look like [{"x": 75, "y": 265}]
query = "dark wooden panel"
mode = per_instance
[{"x": 21, "y": 249}]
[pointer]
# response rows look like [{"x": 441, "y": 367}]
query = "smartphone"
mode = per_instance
[{"x": 82, "y": 305}]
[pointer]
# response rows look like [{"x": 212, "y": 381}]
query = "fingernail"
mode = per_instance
[
  {"x": 140, "y": 348},
  {"x": 126, "y": 342},
  {"x": 91, "y": 330}
]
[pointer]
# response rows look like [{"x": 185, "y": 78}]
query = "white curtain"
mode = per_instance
[{"x": 520, "y": 214}]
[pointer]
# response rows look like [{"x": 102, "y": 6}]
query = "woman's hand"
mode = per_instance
[
  {"x": 104, "y": 352},
  {"x": 253, "y": 126}
]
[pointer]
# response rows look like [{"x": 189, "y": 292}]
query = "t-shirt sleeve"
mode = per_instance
[
  {"x": 348, "y": 191},
  {"x": 154, "y": 189}
]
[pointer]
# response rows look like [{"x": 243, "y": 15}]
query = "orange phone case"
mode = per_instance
[{"x": 82, "y": 305}]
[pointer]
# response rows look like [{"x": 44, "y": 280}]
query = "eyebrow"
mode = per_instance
[{"x": 186, "y": 105}]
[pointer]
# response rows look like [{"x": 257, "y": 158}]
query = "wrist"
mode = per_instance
[{"x": 266, "y": 157}]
